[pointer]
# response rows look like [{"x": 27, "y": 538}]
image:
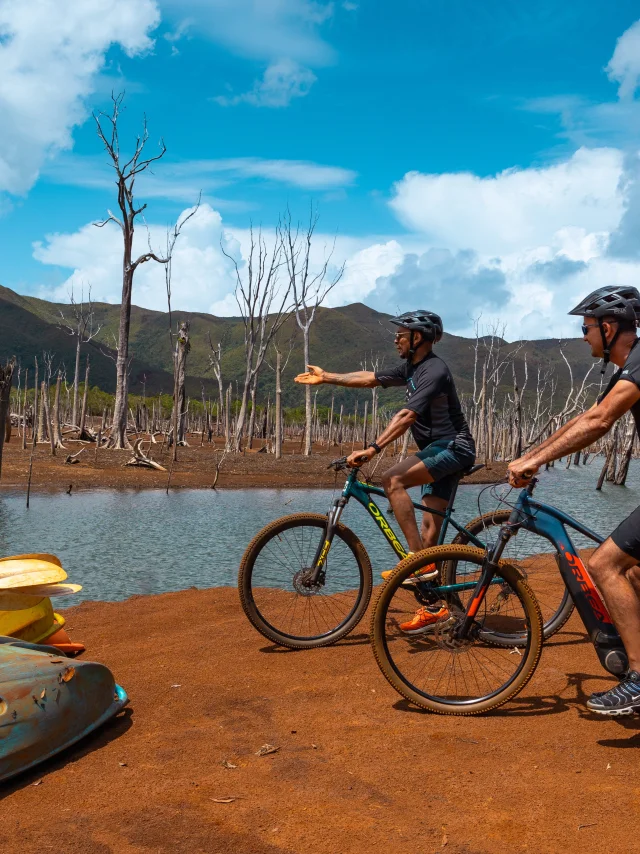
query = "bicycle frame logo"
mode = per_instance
[
  {"x": 386, "y": 530},
  {"x": 586, "y": 585}
]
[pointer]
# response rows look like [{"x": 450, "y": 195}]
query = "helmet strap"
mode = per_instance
[{"x": 606, "y": 356}]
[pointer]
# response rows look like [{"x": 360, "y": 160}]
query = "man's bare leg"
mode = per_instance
[
  {"x": 396, "y": 481},
  {"x": 431, "y": 524},
  {"x": 609, "y": 567}
]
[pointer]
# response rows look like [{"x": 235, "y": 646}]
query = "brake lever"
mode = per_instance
[{"x": 338, "y": 464}]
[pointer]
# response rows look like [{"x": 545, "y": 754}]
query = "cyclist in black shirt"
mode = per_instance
[
  {"x": 433, "y": 412},
  {"x": 610, "y": 317}
]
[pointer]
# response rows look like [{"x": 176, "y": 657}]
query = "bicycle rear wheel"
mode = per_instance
[
  {"x": 440, "y": 671},
  {"x": 272, "y": 589},
  {"x": 537, "y": 559}
]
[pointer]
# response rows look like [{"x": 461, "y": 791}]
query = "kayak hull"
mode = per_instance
[{"x": 48, "y": 702}]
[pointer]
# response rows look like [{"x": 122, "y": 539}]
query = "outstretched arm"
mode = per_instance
[
  {"x": 357, "y": 379},
  {"x": 578, "y": 433}
]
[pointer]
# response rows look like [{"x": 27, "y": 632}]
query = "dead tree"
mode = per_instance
[
  {"x": 310, "y": 286},
  {"x": 183, "y": 346},
  {"x": 126, "y": 172},
  {"x": 263, "y": 305},
  {"x": 6, "y": 378},
  {"x": 139, "y": 458},
  {"x": 82, "y": 329},
  {"x": 215, "y": 361}
]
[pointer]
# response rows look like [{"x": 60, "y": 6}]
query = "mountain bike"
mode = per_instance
[
  {"x": 469, "y": 663},
  {"x": 305, "y": 580}
]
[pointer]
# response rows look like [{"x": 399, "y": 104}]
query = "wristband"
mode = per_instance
[{"x": 376, "y": 447}]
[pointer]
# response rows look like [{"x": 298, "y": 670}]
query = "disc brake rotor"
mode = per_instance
[{"x": 301, "y": 583}]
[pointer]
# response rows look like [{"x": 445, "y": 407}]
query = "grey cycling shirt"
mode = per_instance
[{"x": 431, "y": 394}]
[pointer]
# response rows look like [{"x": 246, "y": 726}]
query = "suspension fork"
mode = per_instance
[
  {"x": 489, "y": 569},
  {"x": 319, "y": 561}
]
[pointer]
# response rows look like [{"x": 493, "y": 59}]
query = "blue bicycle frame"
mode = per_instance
[
  {"x": 552, "y": 523},
  {"x": 362, "y": 492}
]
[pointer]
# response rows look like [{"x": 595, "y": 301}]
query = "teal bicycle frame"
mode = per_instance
[{"x": 363, "y": 492}]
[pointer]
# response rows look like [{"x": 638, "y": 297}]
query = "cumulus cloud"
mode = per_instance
[
  {"x": 624, "y": 65},
  {"x": 457, "y": 283},
  {"x": 50, "y": 56},
  {"x": 558, "y": 269},
  {"x": 516, "y": 208},
  {"x": 283, "y": 81}
]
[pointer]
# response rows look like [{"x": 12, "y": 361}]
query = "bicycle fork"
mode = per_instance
[
  {"x": 489, "y": 569},
  {"x": 317, "y": 577}
]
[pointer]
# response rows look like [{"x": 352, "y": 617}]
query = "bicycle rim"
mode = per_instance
[
  {"x": 441, "y": 673},
  {"x": 273, "y": 576}
]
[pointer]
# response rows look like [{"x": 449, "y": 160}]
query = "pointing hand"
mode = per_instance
[{"x": 313, "y": 376}]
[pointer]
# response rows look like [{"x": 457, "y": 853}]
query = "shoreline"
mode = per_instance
[{"x": 195, "y": 469}]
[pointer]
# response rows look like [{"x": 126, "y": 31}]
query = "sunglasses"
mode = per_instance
[{"x": 585, "y": 329}]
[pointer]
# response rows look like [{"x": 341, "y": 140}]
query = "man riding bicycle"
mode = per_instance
[
  {"x": 433, "y": 412},
  {"x": 610, "y": 319}
]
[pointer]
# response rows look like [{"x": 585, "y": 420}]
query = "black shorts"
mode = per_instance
[{"x": 627, "y": 535}]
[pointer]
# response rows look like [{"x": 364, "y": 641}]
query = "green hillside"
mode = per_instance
[{"x": 342, "y": 339}]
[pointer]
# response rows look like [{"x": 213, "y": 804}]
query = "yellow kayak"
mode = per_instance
[{"x": 26, "y": 612}]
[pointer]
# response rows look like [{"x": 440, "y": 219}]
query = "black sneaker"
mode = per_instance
[{"x": 623, "y": 699}]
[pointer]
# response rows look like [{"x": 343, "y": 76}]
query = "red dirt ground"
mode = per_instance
[
  {"x": 195, "y": 468},
  {"x": 357, "y": 770}
]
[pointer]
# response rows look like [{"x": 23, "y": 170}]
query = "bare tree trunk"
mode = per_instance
[
  {"x": 6, "y": 378},
  {"x": 56, "y": 433},
  {"x": 307, "y": 399},
  {"x": 365, "y": 424},
  {"x": 623, "y": 469},
  {"x": 42, "y": 414},
  {"x": 24, "y": 409},
  {"x": 252, "y": 415},
  {"x": 76, "y": 385},
  {"x": 183, "y": 346},
  {"x": 227, "y": 420},
  {"x": 278, "y": 405},
  {"x": 85, "y": 394}
]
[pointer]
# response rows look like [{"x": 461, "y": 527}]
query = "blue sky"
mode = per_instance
[{"x": 482, "y": 151}]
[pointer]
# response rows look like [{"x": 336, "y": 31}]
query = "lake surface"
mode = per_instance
[{"x": 119, "y": 543}]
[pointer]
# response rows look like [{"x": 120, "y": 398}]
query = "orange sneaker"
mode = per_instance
[
  {"x": 424, "y": 574},
  {"x": 424, "y": 620}
]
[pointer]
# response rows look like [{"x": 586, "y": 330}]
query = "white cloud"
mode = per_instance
[
  {"x": 283, "y": 81},
  {"x": 624, "y": 65},
  {"x": 182, "y": 181},
  {"x": 266, "y": 30},
  {"x": 51, "y": 53},
  {"x": 517, "y": 208}
]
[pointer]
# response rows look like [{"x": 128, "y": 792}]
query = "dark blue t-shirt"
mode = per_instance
[{"x": 432, "y": 395}]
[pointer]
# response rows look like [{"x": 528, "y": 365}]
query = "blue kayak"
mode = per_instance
[{"x": 48, "y": 702}]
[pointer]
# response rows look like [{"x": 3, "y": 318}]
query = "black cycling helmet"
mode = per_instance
[
  {"x": 618, "y": 301},
  {"x": 427, "y": 322}
]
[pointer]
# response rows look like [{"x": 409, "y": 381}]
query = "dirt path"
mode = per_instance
[
  {"x": 195, "y": 468},
  {"x": 357, "y": 769}
]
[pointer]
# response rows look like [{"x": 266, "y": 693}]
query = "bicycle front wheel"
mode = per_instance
[
  {"x": 537, "y": 559},
  {"x": 437, "y": 668},
  {"x": 272, "y": 587}
]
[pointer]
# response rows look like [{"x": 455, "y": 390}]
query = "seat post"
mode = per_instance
[{"x": 454, "y": 492}]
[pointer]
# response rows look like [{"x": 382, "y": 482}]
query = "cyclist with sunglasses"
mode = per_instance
[
  {"x": 610, "y": 317},
  {"x": 433, "y": 413}
]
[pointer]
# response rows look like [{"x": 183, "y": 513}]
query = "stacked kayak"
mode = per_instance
[
  {"x": 26, "y": 612},
  {"x": 48, "y": 702}
]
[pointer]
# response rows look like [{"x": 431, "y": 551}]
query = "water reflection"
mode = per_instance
[{"x": 119, "y": 543}]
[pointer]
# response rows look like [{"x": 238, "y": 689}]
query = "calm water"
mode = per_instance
[{"x": 117, "y": 543}]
